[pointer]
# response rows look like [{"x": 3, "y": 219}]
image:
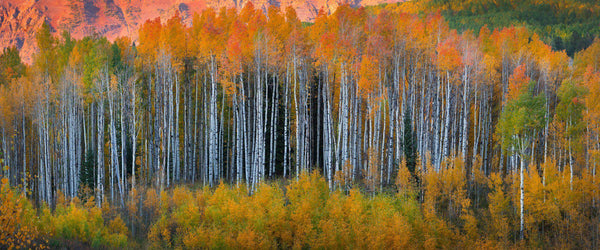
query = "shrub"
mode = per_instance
[
  {"x": 18, "y": 220},
  {"x": 75, "y": 225}
]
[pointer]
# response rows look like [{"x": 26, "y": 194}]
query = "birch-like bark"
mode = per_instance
[{"x": 213, "y": 127}]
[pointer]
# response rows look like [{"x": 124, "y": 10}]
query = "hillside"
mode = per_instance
[{"x": 569, "y": 25}]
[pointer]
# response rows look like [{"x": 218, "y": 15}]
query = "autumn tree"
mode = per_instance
[{"x": 522, "y": 117}]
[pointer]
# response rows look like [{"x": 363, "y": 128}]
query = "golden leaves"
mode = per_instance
[
  {"x": 369, "y": 76},
  {"x": 18, "y": 219}
]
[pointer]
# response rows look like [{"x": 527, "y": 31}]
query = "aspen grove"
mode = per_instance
[{"x": 488, "y": 137}]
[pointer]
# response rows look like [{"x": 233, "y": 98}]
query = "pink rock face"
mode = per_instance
[{"x": 20, "y": 19}]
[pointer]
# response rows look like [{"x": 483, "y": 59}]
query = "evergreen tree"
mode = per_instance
[
  {"x": 87, "y": 169},
  {"x": 410, "y": 144},
  {"x": 10, "y": 65}
]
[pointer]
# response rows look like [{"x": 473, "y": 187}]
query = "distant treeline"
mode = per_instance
[{"x": 569, "y": 25}]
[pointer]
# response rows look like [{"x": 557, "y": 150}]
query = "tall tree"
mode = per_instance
[
  {"x": 410, "y": 146},
  {"x": 520, "y": 121}
]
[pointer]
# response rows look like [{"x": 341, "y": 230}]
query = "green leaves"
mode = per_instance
[
  {"x": 521, "y": 117},
  {"x": 45, "y": 40},
  {"x": 10, "y": 65},
  {"x": 570, "y": 107}
]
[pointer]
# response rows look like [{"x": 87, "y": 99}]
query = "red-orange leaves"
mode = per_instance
[
  {"x": 448, "y": 56},
  {"x": 238, "y": 46},
  {"x": 149, "y": 39},
  {"x": 517, "y": 83},
  {"x": 379, "y": 35}
]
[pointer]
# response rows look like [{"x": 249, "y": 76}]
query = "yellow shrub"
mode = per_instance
[
  {"x": 75, "y": 224},
  {"x": 198, "y": 238},
  {"x": 306, "y": 196},
  {"x": 18, "y": 220}
]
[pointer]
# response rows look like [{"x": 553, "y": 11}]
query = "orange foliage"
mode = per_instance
[
  {"x": 591, "y": 80},
  {"x": 173, "y": 38},
  {"x": 369, "y": 76},
  {"x": 448, "y": 56},
  {"x": 149, "y": 37},
  {"x": 518, "y": 83}
]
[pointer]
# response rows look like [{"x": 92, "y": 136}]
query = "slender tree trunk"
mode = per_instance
[{"x": 522, "y": 196}]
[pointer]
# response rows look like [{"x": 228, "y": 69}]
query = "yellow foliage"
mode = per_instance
[
  {"x": 151, "y": 202},
  {"x": 78, "y": 224},
  {"x": 198, "y": 238},
  {"x": 404, "y": 179},
  {"x": 117, "y": 226},
  {"x": 18, "y": 220},
  {"x": 306, "y": 196},
  {"x": 306, "y": 214},
  {"x": 499, "y": 209}
]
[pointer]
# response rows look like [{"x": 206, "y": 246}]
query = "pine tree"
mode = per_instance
[
  {"x": 87, "y": 170},
  {"x": 410, "y": 145}
]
